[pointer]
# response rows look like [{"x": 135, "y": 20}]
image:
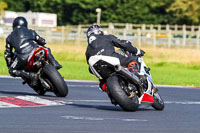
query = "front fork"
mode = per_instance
[{"x": 151, "y": 88}]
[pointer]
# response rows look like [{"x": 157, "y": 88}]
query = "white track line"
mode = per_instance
[{"x": 101, "y": 119}]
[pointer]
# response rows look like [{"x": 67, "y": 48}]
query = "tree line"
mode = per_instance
[{"x": 116, "y": 11}]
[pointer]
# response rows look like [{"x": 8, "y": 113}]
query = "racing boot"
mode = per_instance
[
  {"x": 103, "y": 87},
  {"x": 53, "y": 62},
  {"x": 33, "y": 77}
]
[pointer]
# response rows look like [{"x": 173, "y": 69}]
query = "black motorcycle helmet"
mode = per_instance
[
  {"x": 20, "y": 21},
  {"x": 94, "y": 29}
]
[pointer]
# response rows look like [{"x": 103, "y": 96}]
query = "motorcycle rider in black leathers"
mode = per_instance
[
  {"x": 100, "y": 44},
  {"x": 23, "y": 41}
]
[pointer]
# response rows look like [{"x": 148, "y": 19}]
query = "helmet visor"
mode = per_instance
[{"x": 97, "y": 31}]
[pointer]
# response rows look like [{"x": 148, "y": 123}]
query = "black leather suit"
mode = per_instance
[
  {"x": 23, "y": 41},
  {"x": 104, "y": 45}
]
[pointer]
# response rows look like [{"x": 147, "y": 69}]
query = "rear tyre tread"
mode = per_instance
[{"x": 61, "y": 89}]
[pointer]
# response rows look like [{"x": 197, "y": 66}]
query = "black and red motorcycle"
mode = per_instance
[{"x": 49, "y": 78}]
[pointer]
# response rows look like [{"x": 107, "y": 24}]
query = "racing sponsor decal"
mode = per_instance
[{"x": 27, "y": 101}]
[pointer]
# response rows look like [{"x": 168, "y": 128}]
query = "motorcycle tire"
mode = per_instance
[
  {"x": 58, "y": 84},
  {"x": 118, "y": 94},
  {"x": 158, "y": 102}
]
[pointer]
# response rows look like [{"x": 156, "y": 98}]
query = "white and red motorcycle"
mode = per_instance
[{"x": 124, "y": 87}]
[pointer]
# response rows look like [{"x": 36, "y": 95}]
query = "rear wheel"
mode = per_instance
[
  {"x": 158, "y": 102},
  {"x": 117, "y": 87},
  {"x": 55, "y": 80}
]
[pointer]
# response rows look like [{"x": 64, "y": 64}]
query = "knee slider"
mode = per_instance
[{"x": 133, "y": 67}]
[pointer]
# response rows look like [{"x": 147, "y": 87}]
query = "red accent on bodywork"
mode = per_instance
[
  {"x": 147, "y": 98},
  {"x": 19, "y": 102},
  {"x": 104, "y": 87},
  {"x": 30, "y": 63}
]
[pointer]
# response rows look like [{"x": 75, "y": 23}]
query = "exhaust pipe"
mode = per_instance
[
  {"x": 127, "y": 74},
  {"x": 121, "y": 70}
]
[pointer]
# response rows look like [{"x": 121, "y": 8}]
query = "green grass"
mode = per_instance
[
  {"x": 3, "y": 67},
  {"x": 175, "y": 74},
  {"x": 76, "y": 70}
]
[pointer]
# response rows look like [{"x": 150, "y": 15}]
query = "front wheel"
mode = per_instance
[
  {"x": 158, "y": 102},
  {"x": 55, "y": 80},
  {"x": 117, "y": 87}
]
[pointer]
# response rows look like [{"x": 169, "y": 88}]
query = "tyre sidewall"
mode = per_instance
[
  {"x": 158, "y": 105},
  {"x": 120, "y": 96},
  {"x": 61, "y": 89}
]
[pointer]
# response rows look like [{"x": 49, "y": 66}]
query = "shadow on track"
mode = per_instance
[
  {"x": 22, "y": 93},
  {"x": 107, "y": 108},
  {"x": 100, "y": 107},
  {"x": 16, "y": 93}
]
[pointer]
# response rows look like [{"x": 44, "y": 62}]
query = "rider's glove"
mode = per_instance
[
  {"x": 40, "y": 40},
  {"x": 140, "y": 52},
  {"x": 14, "y": 73}
]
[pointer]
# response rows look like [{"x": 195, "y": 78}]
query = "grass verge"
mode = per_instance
[{"x": 175, "y": 74}]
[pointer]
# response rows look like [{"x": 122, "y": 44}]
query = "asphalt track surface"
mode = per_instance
[{"x": 88, "y": 110}]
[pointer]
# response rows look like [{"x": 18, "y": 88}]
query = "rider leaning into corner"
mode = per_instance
[
  {"x": 24, "y": 41},
  {"x": 101, "y": 44}
]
